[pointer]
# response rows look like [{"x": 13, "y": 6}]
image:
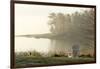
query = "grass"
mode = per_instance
[{"x": 24, "y": 59}]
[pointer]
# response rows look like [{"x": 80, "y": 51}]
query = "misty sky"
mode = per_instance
[{"x": 33, "y": 19}]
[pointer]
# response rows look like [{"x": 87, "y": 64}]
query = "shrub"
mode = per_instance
[
  {"x": 29, "y": 53},
  {"x": 35, "y": 53},
  {"x": 61, "y": 54},
  {"x": 88, "y": 55}
]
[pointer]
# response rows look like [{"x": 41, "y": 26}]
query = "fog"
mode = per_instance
[{"x": 70, "y": 25}]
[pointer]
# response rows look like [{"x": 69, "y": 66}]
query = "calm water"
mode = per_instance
[
  {"x": 46, "y": 45},
  {"x": 30, "y": 44}
]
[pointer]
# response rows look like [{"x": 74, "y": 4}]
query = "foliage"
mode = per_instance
[
  {"x": 77, "y": 27},
  {"x": 29, "y": 53},
  {"x": 88, "y": 55}
]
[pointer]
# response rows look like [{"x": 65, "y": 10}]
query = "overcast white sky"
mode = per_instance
[{"x": 33, "y": 19}]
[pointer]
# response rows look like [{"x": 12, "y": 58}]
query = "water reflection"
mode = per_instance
[{"x": 49, "y": 46}]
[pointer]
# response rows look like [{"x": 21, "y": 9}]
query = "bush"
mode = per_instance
[
  {"x": 88, "y": 55},
  {"x": 61, "y": 54},
  {"x": 29, "y": 53},
  {"x": 35, "y": 53}
]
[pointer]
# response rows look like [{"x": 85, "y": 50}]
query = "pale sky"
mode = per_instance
[{"x": 33, "y": 19}]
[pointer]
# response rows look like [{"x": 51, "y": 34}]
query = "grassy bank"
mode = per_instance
[{"x": 36, "y": 59}]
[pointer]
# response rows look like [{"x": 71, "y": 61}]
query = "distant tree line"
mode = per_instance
[{"x": 77, "y": 26}]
